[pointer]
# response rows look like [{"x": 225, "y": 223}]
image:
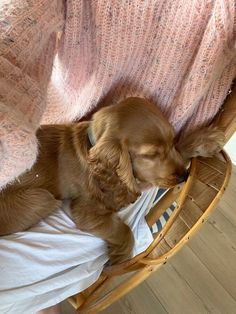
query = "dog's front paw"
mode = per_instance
[
  {"x": 204, "y": 142},
  {"x": 213, "y": 140},
  {"x": 122, "y": 251}
]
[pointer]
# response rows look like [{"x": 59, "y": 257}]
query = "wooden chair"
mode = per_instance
[{"x": 195, "y": 201}]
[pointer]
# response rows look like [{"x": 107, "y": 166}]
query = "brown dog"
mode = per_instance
[{"x": 101, "y": 165}]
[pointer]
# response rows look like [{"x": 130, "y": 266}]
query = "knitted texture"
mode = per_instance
[{"x": 179, "y": 54}]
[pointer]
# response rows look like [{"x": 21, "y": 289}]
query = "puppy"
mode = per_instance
[{"x": 101, "y": 166}]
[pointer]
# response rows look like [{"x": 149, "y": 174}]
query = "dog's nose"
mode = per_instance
[{"x": 183, "y": 177}]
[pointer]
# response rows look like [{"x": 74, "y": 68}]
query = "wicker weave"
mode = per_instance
[{"x": 195, "y": 201}]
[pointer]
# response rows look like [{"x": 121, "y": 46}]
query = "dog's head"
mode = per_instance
[{"x": 135, "y": 140}]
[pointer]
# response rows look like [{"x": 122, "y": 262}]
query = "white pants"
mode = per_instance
[{"x": 54, "y": 260}]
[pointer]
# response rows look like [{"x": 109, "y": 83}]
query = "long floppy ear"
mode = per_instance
[
  {"x": 204, "y": 142},
  {"x": 110, "y": 164}
]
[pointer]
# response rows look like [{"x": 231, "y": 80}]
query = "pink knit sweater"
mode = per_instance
[{"x": 180, "y": 54}]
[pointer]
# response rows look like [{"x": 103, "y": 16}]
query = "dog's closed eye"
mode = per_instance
[
  {"x": 149, "y": 156},
  {"x": 149, "y": 151}
]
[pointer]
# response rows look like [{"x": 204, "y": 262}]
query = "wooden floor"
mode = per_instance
[{"x": 200, "y": 279}]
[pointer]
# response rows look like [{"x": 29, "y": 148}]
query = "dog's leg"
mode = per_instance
[
  {"x": 204, "y": 142},
  {"x": 24, "y": 208},
  {"x": 120, "y": 241},
  {"x": 107, "y": 226}
]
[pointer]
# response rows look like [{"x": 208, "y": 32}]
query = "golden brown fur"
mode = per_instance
[{"x": 134, "y": 149}]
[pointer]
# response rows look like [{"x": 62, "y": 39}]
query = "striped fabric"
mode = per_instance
[{"x": 160, "y": 223}]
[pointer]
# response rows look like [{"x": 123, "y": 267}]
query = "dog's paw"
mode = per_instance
[
  {"x": 205, "y": 142},
  {"x": 122, "y": 251},
  {"x": 212, "y": 142},
  {"x": 116, "y": 257}
]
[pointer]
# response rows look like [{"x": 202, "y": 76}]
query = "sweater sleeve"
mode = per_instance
[{"x": 28, "y": 31}]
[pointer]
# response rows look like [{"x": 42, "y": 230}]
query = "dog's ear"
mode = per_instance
[
  {"x": 110, "y": 164},
  {"x": 204, "y": 142}
]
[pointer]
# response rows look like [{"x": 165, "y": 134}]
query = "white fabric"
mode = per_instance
[{"x": 55, "y": 260}]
